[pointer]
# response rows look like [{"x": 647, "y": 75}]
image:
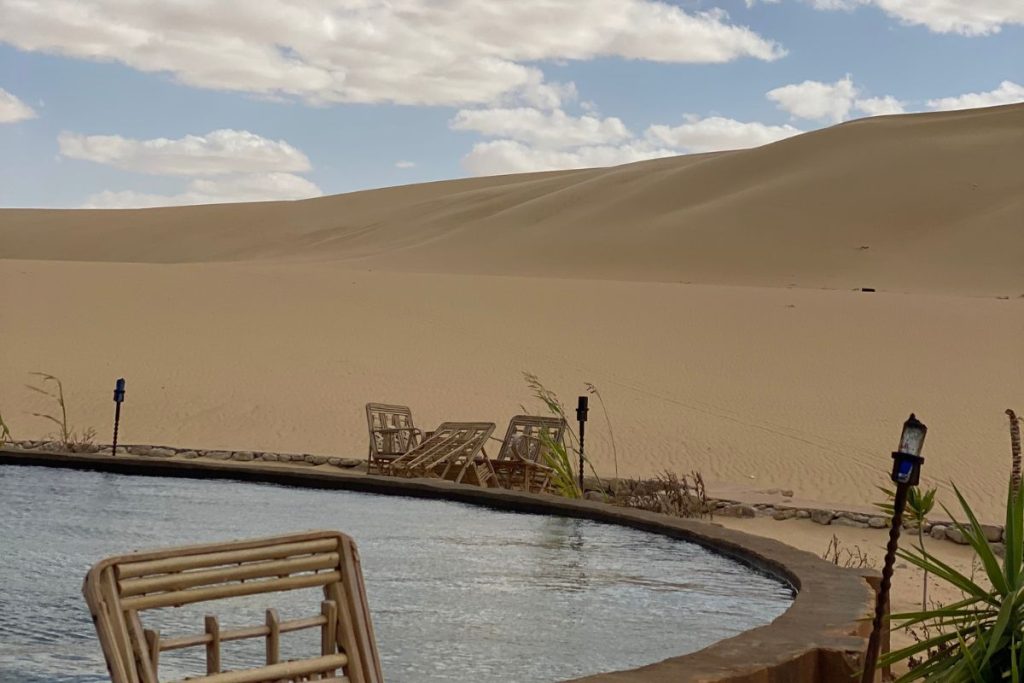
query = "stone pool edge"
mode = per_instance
[{"x": 821, "y": 637}]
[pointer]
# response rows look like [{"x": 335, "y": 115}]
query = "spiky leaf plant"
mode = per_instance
[{"x": 980, "y": 637}]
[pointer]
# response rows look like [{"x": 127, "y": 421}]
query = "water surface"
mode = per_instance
[{"x": 458, "y": 593}]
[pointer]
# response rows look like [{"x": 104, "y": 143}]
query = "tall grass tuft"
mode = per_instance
[
  {"x": 5, "y": 433},
  {"x": 591, "y": 389},
  {"x": 65, "y": 435},
  {"x": 561, "y": 456}
]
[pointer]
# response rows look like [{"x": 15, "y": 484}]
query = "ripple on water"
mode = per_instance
[{"x": 458, "y": 593}]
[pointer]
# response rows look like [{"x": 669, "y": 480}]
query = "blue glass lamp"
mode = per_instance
[{"x": 906, "y": 462}]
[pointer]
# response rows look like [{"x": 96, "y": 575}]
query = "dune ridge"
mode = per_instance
[{"x": 923, "y": 202}]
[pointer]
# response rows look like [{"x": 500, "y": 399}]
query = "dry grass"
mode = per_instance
[
  {"x": 5, "y": 432},
  {"x": 853, "y": 557},
  {"x": 66, "y": 436},
  {"x": 667, "y": 494}
]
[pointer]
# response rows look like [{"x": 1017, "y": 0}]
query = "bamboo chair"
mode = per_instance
[
  {"x": 452, "y": 452},
  {"x": 119, "y": 589},
  {"x": 392, "y": 434},
  {"x": 521, "y": 461}
]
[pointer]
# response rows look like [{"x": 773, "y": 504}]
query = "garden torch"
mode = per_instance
[
  {"x": 581, "y": 416},
  {"x": 118, "y": 400},
  {"x": 906, "y": 472}
]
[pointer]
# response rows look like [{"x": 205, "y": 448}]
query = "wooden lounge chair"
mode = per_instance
[
  {"x": 119, "y": 589},
  {"x": 452, "y": 452},
  {"x": 521, "y": 461},
  {"x": 392, "y": 434}
]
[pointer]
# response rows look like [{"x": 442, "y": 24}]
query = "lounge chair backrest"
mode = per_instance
[
  {"x": 526, "y": 434},
  {"x": 119, "y": 589},
  {"x": 392, "y": 431}
]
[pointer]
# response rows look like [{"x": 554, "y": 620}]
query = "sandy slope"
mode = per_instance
[
  {"x": 269, "y": 325},
  {"x": 937, "y": 199}
]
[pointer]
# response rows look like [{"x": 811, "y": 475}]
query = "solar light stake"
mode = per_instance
[
  {"x": 906, "y": 472},
  {"x": 118, "y": 400},
  {"x": 581, "y": 416}
]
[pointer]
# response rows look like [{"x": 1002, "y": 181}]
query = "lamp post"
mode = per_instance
[
  {"x": 581, "y": 416},
  {"x": 906, "y": 472},
  {"x": 118, "y": 400}
]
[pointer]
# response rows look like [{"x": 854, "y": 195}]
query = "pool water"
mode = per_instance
[{"x": 457, "y": 593}]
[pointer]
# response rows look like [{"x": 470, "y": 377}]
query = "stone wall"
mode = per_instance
[{"x": 723, "y": 508}]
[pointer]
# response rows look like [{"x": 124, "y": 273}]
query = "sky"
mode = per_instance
[{"x": 126, "y": 103}]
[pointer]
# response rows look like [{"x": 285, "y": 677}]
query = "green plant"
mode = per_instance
[
  {"x": 919, "y": 505},
  {"x": 556, "y": 456},
  {"x": 560, "y": 457},
  {"x": 65, "y": 436},
  {"x": 981, "y": 637}
]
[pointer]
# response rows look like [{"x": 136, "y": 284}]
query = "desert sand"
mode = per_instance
[{"x": 714, "y": 300}]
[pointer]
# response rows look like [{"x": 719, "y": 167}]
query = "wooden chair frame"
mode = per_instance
[
  {"x": 118, "y": 589},
  {"x": 453, "y": 451},
  {"x": 392, "y": 434},
  {"x": 521, "y": 462}
]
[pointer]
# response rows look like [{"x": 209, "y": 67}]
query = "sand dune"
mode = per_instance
[
  {"x": 927, "y": 202},
  {"x": 268, "y": 326}
]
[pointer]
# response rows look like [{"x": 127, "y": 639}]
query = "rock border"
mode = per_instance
[{"x": 940, "y": 531}]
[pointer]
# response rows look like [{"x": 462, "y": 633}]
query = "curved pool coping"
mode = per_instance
[{"x": 821, "y": 637}]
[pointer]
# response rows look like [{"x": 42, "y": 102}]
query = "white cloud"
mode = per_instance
[
  {"x": 255, "y": 187},
  {"x": 816, "y": 100},
  {"x": 551, "y": 130},
  {"x": 509, "y": 156},
  {"x": 833, "y": 102},
  {"x": 1008, "y": 92},
  {"x": 405, "y": 164},
  {"x": 12, "y": 109},
  {"x": 967, "y": 17},
  {"x": 539, "y": 141},
  {"x": 218, "y": 152},
  {"x": 717, "y": 133},
  {"x": 881, "y": 106},
  {"x": 455, "y": 53}
]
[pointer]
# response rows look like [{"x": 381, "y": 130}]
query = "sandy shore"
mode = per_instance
[{"x": 757, "y": 388}]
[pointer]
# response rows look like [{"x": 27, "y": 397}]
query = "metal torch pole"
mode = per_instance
[
  {"x": 118, "y": 400},
  {"x": 882, "y": 599},
  {"x": 117, "y": 423},
  {"x": 581, "y": 417}
]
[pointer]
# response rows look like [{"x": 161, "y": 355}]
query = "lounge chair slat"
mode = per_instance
[
  {"x": 187, "y": 597},
  {"x": 180, "y": 563},
  {"x": 274, "y": 672},
  {"x": 181, "y": 581}
]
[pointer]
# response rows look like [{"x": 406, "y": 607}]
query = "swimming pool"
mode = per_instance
[{"x": 458, "y": 593}]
